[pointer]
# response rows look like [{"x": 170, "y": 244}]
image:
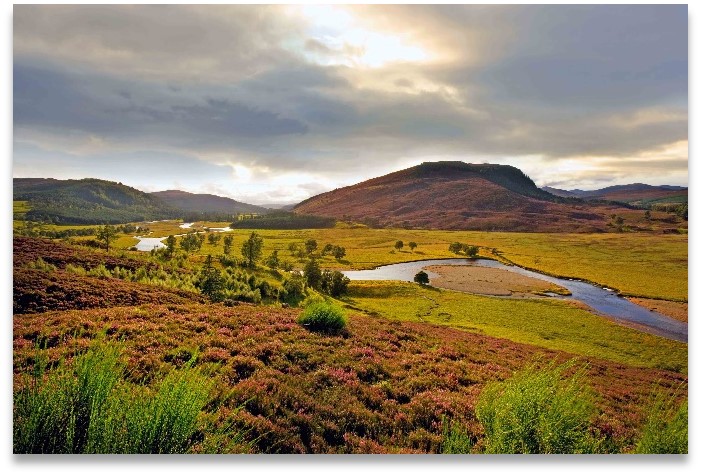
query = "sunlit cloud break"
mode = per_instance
[{"x": 279, "y": 102}]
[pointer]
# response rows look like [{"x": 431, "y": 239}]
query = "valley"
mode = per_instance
[{"x": 225, "y": 299}]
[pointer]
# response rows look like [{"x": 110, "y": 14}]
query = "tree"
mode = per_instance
[
  {"x": 210, "y": 282},
  {"x": 312, "y": 274},
  {"x": 399, "y": 245},
  {"x": 648, "y": 215},
  {"x": 310, "y": 246},
  {"x": 272, "y": 261},
  {"x": 470, "y": 250},
  {"x": 339, "y": 252},
  {"x": 107, "y": 234},
  {"x": 252, "y": 249},
  {"x": 328, "y": 248},
  {"x": 294, "y": 287},
  {"x": 421, "y": 277},
  {"x": 412, "y": 245},
  {"x": 228, "y": 241},
  {"x": 334, "y": 283},
  {"x": 171, "y": 241},
  {"x": 455, "y": 247},
  {"x": 213, "y": 239},
  {"x": 190, "y": 242}
]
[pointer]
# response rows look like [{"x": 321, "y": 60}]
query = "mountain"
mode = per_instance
[
  {"x": 558, "y": 192},
  {"x": 87, "y": 201},
  {"x": 460, "y": 196},
  {"x": 635, "y": 194},
  {"x": 206, "y": 203}
]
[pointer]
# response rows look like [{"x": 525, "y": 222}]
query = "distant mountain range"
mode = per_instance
[
  {"x": 88, "y": 201},
  {"x": 457, "y": 195},
  {"x": 202, "y": 202},
  {"x": 94, "y": 201},
  {"x": 438, "y": 195},
  {"x": 634, "y": 194}
]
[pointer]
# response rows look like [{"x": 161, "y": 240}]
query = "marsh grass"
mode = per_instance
[
  {"x": 538, "y": 411},
  {"x": 88, "y": 407},
  {"x": 667, "y": 428}
]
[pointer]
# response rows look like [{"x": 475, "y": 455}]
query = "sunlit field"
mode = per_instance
[{"x": 549, "y": 323}]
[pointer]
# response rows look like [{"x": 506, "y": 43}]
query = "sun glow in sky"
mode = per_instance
[
  {"x": 341, "y": 40},
  {"x": 276, "y": 103}
]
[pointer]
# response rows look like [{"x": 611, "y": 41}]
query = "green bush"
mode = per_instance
[
  {"x": 538, "y": 411},
  {"x": 456, "y": 439},
  {"x": 323, "y": 317},
  {"x": 62, "y": 411},
  {"x": 89, "y": 407},
  {"x": 667, "y": 428}
]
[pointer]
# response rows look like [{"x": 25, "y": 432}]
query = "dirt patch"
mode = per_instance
[
  {"x": 675, "y": 310},
  {"x": 490, "y": 281}
]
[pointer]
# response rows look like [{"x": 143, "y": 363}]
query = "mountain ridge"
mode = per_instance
[{"x": 199, "y": 202}]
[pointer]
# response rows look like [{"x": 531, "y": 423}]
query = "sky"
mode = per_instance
[{"x": 276, "y": 103}]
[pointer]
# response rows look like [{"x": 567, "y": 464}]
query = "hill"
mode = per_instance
[
  {"x": 638, "y": 194},
  {"x": 87, "y": 201},
  {"x": 206, "y": 203},
  {"x": 460, "y": 196}
]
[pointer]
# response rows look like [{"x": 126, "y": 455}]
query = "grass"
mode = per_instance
[
  {"x": 88, "y": 407},
  {"x": 20, "y": 207},
  {"x": 537, "y": 411},
  {"x": 638, "y": 264},
  {"x": 667, "y": 428},
  {"x": 456, "y": 439},
  {"x": 547, "y": 323}
]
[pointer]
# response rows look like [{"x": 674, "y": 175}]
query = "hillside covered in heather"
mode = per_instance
[{"x": 461, "y": 196}]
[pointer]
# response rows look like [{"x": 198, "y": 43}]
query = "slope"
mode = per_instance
[
  {"x": 206, "y": 203},
  {"x": 87, "y": 201},
  {"x": 460, "y": 196}
]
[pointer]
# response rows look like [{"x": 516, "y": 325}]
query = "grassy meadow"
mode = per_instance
[
  {"x": 636, "y": 264},
  {"x": 551, "y": 324}
]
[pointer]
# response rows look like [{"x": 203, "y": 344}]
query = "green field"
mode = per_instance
[
  {"x": 646, "y": 265},
  {"x": 636, "y": 264},
  {"x": 546, "y": 323}
]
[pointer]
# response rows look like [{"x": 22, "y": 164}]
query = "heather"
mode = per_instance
[{"x": 379, "y": 387}]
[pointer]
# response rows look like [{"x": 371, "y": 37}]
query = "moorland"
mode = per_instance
[{"x": 243, "y": 335}]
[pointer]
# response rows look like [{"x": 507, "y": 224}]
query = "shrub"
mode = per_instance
[
  {"x": 537, "y": 411},
  {"x": 88, "y": 407},
  {"x": 64, "y": 411},
  {"x": 666, "y": 430},
  {"x": 421, "y": 277},
  {"x": 456, "y": 439},
  {"x": 323, "y": 317}
]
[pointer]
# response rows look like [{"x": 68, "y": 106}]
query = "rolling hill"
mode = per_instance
[
  {"x": 639, "y": 194},
  {"x": 460, "y": 196},
  {"x": 88, "y": 201},
  {"x": 206, "y": 203}
]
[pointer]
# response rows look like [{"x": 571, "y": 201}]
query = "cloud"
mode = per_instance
[{"x": 285, "y": 89}]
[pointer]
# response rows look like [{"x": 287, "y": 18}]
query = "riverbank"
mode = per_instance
[
  {"x": 491, "y": 282},
  {"x": 675, "y": 310}
]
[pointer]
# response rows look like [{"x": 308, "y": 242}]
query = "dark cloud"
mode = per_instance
[
  {"x": 119, "y": 109},
  {"x": 243, "y": 84}
]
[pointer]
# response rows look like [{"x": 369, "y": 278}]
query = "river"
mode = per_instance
[{"x": 602, "y": 300}]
